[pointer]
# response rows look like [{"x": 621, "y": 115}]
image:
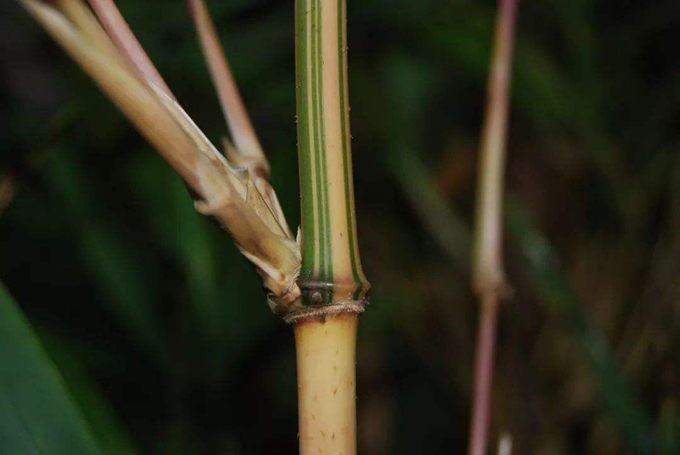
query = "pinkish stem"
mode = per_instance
[
  {"x": 484, "y": 359},
  {"x": 119, "y": 31}
]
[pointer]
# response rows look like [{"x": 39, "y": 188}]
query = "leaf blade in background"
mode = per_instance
[
  {"x": 37, "y": 416},
  {"x": 616, "y": 392},
  {"x": 618, "y": 397},
  {"x": 107, "y": 428},
  {"x": 117, "y": 267}
]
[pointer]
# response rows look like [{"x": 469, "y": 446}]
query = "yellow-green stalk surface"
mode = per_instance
[
  {"x": 331, "y": 278},
  {"x": 331, "y": 269},
  {"x": 326, "y": 385}
]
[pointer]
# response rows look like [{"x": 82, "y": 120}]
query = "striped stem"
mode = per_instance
[
  {"x": 331, "y": 269},
  {"x": 331, "y": 279}
]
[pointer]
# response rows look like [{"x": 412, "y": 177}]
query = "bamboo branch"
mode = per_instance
[
  {"x": 487, "y": 251},
  {"x": 488, "y": 277},
  {"x": 244, "y": 204},
  {"x": 248, "y": 151},
  {"x": 484, "y": 360},
  {"x": 125, "y": 40},
  {"x": 82, "y": 17}
]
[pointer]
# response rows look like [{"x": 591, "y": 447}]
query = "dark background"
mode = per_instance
[{"x": 160, "y": 327}]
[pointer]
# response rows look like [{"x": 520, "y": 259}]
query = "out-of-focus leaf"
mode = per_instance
[
  {"x": 616, "y": 393},
  {"x": 453, "y": 236},
  {"x": 116, "y": 266},
  {"x": 413, "y": 84},
  {"x": 193, "y": 243},
  {"x": 37, "y": 415},
  {"x": 108, "y": 430},
  {"x": 433, "y": 209},
  {"x": 541, "y": 88},
  {"x": 669, "y": 428}
]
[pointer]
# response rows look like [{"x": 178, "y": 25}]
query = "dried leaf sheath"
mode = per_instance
[{"x": 245, "y": 205}]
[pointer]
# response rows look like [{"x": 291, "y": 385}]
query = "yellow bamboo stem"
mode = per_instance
[{"x": 327, "y": 384}]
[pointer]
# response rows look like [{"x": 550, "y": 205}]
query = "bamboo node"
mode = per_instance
[{"x": 321, "y": 311}]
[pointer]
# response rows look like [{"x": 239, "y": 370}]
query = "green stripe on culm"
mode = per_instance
[
  {"x": 303, "y": 120},
  {"x": 327, "y": 275},
  {"x": 319, "y": 269},
  {"x": 318, "y": 180},
  {"x": 345, "y": 141}
]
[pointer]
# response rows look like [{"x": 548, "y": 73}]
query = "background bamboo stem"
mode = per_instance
[
  {"x": 487, "y": 267},
  {"x": 486, "y": 346},
  {"x": 488, "y": 277}
]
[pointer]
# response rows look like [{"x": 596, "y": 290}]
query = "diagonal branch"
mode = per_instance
[
  {"x": 246, "y": 206},
  {"x": 248, "y": 151},
  {"x": 126, "y": 42}
]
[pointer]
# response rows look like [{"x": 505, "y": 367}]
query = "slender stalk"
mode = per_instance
[
  {"x": 331, "y": 278},
  {"x": 248, "y": 150},
  {"x": 115, "y": 25},
  {"x": 488, "y": 278},
  {"x": 486, "y": 344}
]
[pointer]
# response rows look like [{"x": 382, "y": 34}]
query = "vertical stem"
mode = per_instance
[
  {"x": 488, "y": 277},
  {"x": 331, "y": 278},
  {"x": 486, "y": 344},
  {"x": 326, "y": 385},
  {"x": 487, "y": 249},
  {"x": 331, "y": 268}
]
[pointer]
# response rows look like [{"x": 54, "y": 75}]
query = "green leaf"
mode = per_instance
[
  {"x": 109, "y": 431},
  {"x": 616, "y": 392},
  {"x": 123, "y": 273},
  {"x": 37, "y": 416},
  {"x": 194, "y": 244}
]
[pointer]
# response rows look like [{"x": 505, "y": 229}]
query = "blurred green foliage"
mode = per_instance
[{"x": 159, "y": 329}]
